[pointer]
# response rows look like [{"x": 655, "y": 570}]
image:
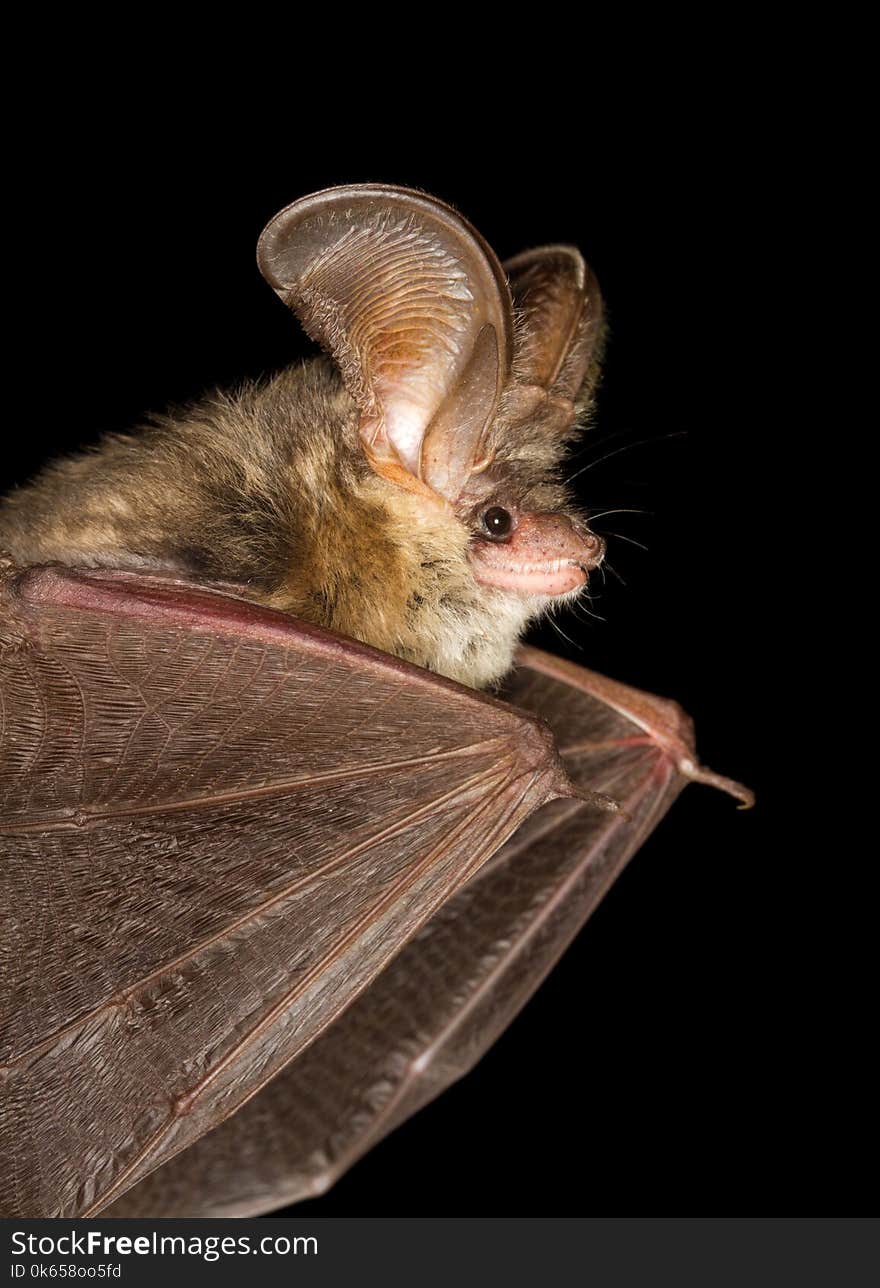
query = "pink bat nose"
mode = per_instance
[
  {"x": 592, "y": 545},
  {"x": 546, "y": 554}
]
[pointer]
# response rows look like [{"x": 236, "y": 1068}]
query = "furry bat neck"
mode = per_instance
[{"x": 268, "y": 489}]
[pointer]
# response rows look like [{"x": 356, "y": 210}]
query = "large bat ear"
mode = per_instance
[
  {"x": 562, "y": 323},
  {"x": 414, "y": 307}
]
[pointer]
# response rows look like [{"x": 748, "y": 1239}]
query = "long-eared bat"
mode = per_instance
[
  {"x": 273, "y": 872},
  {"x": 406, "y": 493}
]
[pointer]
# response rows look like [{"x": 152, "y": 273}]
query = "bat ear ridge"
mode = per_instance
[
  {"x": 415, "y": 309},
  {"x": 559, "y": 341}
]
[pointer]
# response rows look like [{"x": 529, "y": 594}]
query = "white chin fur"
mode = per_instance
[{"x": 474, "y": 643}]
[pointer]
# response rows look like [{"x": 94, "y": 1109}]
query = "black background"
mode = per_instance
[{"x": 652, "y": 1068}]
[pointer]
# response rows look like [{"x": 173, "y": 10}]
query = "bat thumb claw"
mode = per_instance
[
  {"x": 699, "y": 774},
  {"x": 599, "y": 800}
]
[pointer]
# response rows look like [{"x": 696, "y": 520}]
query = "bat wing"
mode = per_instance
[
  {"x": 454, "y": 988},
  {"x": 218, "y": 825}
]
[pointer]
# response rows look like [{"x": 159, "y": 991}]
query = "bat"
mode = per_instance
[
  {"x": 407, "y": 492},
  {"x": 272, "y": 883}
]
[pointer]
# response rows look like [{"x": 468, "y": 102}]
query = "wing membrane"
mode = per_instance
[
  {"x": 454, "y": 988},
  {"x": 217, "y": 826}
]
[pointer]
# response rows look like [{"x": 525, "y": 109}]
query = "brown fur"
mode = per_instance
[{"x": 268, "y": 489}]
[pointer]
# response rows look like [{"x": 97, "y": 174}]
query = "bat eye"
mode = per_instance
[{"x": 497, "y": 522}]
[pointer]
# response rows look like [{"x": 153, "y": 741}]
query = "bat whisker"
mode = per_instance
[
  {"x": 562, "y": 635},
  {"x": 618, "y": 536},
  {"x": 610, "y": 566},
  {"x": 644, "y": 442},
  {"x": 621, "y": 510},
  {"x": 579, "y": 603}
]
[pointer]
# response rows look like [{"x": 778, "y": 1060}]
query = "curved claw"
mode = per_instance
[{"x": 689, "y": 768}]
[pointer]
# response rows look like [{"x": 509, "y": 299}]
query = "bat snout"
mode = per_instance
[{"x": 546, "y": 554}]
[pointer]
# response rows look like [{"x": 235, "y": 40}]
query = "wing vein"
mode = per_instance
[
  {"x": 440, "y": 803},
  {"x": 418, "y": 1067},
  {"x": 90, "y": 814},
  {"x": 190, "y": 1099}
]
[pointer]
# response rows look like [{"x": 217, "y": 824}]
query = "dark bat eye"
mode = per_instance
[{"x": 497, "y": 522}]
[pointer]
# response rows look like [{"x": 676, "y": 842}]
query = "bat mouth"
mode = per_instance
[
  {"x": 552, "y": 577},
  {"x": 544, "y": 554}
]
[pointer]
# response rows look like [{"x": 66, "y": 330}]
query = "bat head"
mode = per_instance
[{"x": 469, "y": 379}]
